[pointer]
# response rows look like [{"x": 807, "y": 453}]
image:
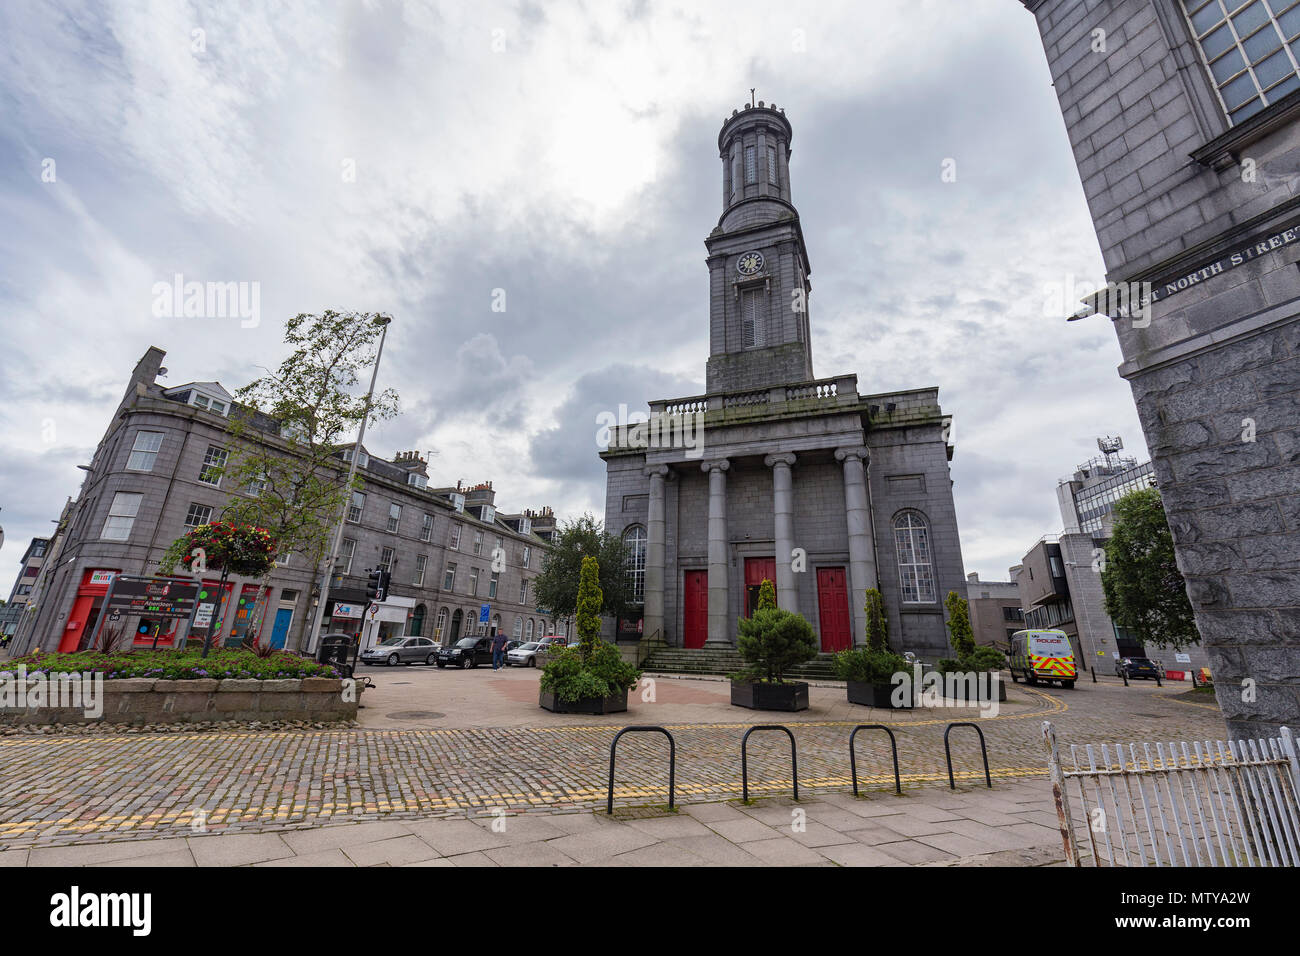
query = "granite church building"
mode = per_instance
[{"x": 774, "y": 473}]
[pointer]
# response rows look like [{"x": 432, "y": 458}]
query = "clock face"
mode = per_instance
[{"x": 750, "y": 263}]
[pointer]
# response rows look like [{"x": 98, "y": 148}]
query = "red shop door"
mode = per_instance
[
  {"x": 757, "y": 570},
  {"x": 697, "y": 609},
  {"x": 833, "y": 608}
]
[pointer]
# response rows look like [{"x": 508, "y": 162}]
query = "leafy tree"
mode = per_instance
[
  {"x": 557, "y": 585},
  {"x": 773, "y": 640},
  {"x": 877, "y": 622},
  {"x": 590, "y": 600},
  {"x": 296, "y": 487},
  {"x": 963, "y": 638},
  {"x": 1143, "y": 586}
]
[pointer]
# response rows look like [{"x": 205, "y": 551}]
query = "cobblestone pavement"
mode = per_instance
[{"x": 63, "y": 789}]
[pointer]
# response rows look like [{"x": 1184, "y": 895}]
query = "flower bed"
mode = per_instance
[{"x": 174, "y": 665}]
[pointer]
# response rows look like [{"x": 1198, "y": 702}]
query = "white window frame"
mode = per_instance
[
  {"x": 138, "y": 456},
  {"x": 636, "y": 539},
  {"x": 357, "y": 504},
  {"x": 449, "y": 578},
  {"x": 121, "y": 516},
  {"x": 1262, "y": 97},
  {"x": 915, "y": 558},
  {"x": 454, "y": 542},
  {"x": 478, "y": 542},
  {"x": 426, "y": 528},
  {"x": 421, "y": 562},
  {"x": 348, "y": 548},
  {"x": 493, "y": 582},
  {"x": 214, "y": 457},
  {"x": 527, "y": 556},
  {"x": 387, "y": 557},
  {"x": 190, "y": 512},
  {"x": 473, "y": 582},
  {"x": 394, "y": 517},
  {"x": 523, "y": 591}
]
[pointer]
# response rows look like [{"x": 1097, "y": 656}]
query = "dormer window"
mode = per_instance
[
  {"x": 525, "y": 526},
  {"x": 458, "y": 501},
  {"x": 417, "y": 481},
  {"x": 208, "y": 403},
  {"x": 363, "y": 460},
  {"x": 488, "y": 514}
]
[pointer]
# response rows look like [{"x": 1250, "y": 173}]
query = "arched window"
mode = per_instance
[
  {"x": 519, "y": 628},
  {"x": 440, "y": 625},
  {"x": 496, "y": 624},
  {"x": 528, "y": 630},
  {"x": 915, "y": 571},
  {"x": 635, "y": 538},
  {"x": 417, "y": 622}
]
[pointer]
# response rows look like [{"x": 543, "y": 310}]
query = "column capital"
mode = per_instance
[
  {"x": 859, "y": 451},
  {"x": 719, "y": 464},
  {"x": 658, "y": 471},
  {"x": 784, "y": 458}
]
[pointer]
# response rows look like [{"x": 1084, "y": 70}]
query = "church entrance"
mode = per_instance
[
  {"x": 833, "y": 609},
  {"x": 696, "y": 629},
  {"x": 757, "y": 570}
]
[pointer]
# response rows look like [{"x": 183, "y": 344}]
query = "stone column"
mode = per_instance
[
  {"x": 787, "y": 594},
  {"x": 719, "y": 632},
  {"x": 862, "y": 554},
  {"x": 653, "y": 615}
]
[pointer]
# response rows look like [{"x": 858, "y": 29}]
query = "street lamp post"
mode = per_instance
[{"x": 313, "y": 635}]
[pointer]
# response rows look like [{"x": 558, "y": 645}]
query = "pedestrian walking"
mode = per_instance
[{"x": 498, "y": 650}]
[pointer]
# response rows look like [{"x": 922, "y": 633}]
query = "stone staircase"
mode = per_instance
[{"x": 678, "y": 660}]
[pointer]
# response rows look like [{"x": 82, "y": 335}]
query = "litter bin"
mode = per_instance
[{"x": 336, "y": 649}]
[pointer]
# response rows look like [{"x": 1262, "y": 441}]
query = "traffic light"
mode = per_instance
[{"x": 376, "y": 584}]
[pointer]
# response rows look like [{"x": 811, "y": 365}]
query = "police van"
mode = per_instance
[{"x": 1042, "y": 655}]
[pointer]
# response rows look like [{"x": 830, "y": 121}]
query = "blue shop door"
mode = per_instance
[{"x": 282, "y": 618}]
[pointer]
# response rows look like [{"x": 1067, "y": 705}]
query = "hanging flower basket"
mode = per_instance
[{"x": 242, "y": 550}]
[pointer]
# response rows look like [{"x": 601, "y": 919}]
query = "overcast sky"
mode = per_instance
[{"x": 414, "y": 158}]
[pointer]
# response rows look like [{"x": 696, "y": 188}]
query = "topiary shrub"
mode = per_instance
[{"x": 773, "y": 640}]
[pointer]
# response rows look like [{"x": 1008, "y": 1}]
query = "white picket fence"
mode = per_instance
[{"x": 1206, "y": 803}]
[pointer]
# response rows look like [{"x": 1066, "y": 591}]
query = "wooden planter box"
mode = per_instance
[
  {"x": 614, "y": 704},
  {"x": 874, "y": 695},
  {"x": 792, "y": 695}
]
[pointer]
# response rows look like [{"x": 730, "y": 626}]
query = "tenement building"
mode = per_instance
[
  {"x": 1183, "y": 117},
  {"x": 774, "y": 473},
  {"x": 458, "y": 565}
]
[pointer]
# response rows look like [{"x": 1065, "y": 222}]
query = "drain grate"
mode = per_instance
[{"x": 415, "y": 715}]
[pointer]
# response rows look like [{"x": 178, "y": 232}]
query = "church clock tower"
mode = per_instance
[{"x": 758, "y": 263}]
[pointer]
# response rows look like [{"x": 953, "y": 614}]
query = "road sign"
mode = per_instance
[
  {"x": 167, "y": 598},
  {"x": 483, "y": 611}
]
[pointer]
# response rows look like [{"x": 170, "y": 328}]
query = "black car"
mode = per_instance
[
  {"x": 467, "y": 652},
  {"x": 1137, "y": 668}
]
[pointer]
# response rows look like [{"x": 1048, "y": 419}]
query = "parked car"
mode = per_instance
[
  {"x": 467, "y": 652},
  {"x": 1137, "y": 668},
  {"x": 401, "y": 650},
  {"x": 525, "y": 655}
]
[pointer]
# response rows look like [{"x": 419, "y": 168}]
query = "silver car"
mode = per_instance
[
  {"x": 525, "y": 655},
  {"x": 402, "y": 650}
]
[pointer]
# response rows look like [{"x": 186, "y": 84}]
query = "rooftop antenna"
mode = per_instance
[{"x": 1110, "y": 446}]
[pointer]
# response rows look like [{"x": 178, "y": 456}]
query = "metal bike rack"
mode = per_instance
[
  {"x": 744, "y": 759},
  {"x": 672, "y": 761},
  {"x": 853, "y": 757},
  {"x": 984, "y": 750}
]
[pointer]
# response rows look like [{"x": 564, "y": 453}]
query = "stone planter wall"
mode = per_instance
[{"x": 148, "y": 701}]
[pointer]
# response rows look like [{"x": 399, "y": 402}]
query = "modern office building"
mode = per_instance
[
  {"x": 773, "y": 473},
  {"x": 155, "y": 474},
  {"x": 1059, "y": 579},
  {"x": 1184, "y": 118}
]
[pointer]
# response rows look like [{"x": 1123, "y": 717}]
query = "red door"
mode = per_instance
[
  {"x": 697, "y": 609},
  {"x": 833, "y": 607},
  {"x": 757, "y": 570}
]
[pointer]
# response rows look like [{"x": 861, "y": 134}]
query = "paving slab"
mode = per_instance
[
  {"x": 782, "y": 851},
  {"x": 238, "y": 849},
  {"x": 394, "y": 851}
]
